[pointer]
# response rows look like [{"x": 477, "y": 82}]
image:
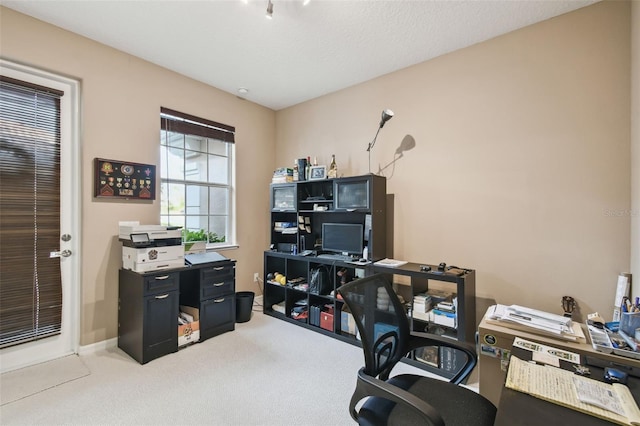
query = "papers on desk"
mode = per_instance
[
  {"x": 536, "y": 322},
  {"x": 390, "y": 263},
  {"x": 610, "y": 402}
]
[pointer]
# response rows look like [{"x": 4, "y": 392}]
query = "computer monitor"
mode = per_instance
[{"x": 345, "y": 238}]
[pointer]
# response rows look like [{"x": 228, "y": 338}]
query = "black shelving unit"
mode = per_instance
[
  {"x": 355, "y": 200},
  {"x": 308, "y": 204}
]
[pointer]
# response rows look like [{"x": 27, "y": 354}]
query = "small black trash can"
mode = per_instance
[{"x": 244, "y": 303}]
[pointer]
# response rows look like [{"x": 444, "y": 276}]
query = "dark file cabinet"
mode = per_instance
[
  {"x": 213, "y": 295},
  {"x": 147, "y": 314},
  {"x": 148, "y": 306}
]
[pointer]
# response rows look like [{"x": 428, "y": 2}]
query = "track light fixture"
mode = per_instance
[
  {"x": 269, "y": 13},
  {"x": 269, "y": 10}
]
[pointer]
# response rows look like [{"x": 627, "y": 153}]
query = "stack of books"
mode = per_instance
[
  {"x": 285, "y": 227},
  {"x": 422, "y": 304},
  {"x": 282, "y": 175},
  {"x": 445, "y": 313}
]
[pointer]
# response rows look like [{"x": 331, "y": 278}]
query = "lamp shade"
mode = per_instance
[{"x": 386, "y": 116}]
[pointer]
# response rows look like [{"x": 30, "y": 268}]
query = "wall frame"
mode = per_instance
[
  {"x": 318, "y": 172},
  {"x": 124, "y": 179}
]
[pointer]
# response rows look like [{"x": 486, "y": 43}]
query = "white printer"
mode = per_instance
[{"x": 150, "y": 247}]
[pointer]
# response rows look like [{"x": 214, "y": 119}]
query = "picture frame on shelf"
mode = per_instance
[{"x": 318, "y": 172}]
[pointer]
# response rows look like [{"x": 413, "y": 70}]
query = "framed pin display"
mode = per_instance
[{"x": 121, "y": 179}]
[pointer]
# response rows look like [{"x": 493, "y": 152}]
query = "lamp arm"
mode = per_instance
[{"x": 373, "y": 142}]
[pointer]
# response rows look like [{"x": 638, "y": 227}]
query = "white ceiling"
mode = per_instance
[{"x": 304, "y": 51}]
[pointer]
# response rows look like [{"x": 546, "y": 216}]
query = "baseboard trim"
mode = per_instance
[{"x": 99, "y": 346}]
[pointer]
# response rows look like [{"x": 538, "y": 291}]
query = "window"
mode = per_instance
[{"x": 196, "y": 173}]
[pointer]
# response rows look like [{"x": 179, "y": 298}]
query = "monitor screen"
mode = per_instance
[{"x": 343, "y": 238}]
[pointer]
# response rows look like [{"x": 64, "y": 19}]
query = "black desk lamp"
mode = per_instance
[{"x": 386, "y": 116}]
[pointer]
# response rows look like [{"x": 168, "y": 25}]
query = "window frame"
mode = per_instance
[{"x": 207, "y": 130}]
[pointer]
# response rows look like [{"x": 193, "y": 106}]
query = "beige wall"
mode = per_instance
[
  {"x": 121, "y": 99},
  {"x": 635, "y": 145},
  {"x": 521, "y": 165}
]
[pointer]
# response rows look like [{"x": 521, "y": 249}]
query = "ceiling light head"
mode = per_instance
[
  {"x": 269, "y": 14},
  {"x": 243, "y": 90},
  {"x": 386, "y": 116}
]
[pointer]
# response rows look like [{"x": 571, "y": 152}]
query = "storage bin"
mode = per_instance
[{"x": 629, "y": 322}]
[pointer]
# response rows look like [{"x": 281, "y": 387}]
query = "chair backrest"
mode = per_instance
[{"x": 381, "y": 321}]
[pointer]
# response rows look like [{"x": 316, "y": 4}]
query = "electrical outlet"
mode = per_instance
[{"x": 255, "y": 277}]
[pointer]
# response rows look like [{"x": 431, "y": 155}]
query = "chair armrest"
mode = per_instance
[
  {"x": 371, "y": 386},
  {"x": 419, "y": 340}
]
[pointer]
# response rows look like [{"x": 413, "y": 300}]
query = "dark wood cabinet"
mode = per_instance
[
  {"x": 286, "y": 301},
  {"x": 149, "y": 303},
  {"x": 148, "y": 314},
  {"x": 350, "y": 200},
  {"x": 214, "y": 296},
  {"x": 353, "y": 200}
]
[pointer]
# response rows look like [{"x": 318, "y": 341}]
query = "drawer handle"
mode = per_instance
[
  {"x": 218, "y": 300},
  {"x": 164, "y": 277},
  {"x": 218, "y": 284},
  {"x": 218, "y": 268},
  {"x": 164, "y": 296}
]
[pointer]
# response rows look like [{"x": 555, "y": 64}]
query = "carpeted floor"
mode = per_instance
[
  {"x": 25, "y": 382},
  {"x": 266, "y": 372}
]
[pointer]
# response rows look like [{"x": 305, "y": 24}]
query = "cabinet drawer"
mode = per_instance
[
  {"x": 158, "y": 283},
  {"x": 217, "y": 316},
  {"x": 216, "y": 281}
]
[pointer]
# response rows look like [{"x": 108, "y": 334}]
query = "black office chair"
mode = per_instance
[{"x": 406, "y": 399}]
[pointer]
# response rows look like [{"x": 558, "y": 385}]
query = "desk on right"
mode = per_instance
[
  {"x": 521, "y": 409},
  {"x": 495, "y": 345}
]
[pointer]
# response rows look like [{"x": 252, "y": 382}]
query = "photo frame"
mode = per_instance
[
  {"x": 123, "y": 179},
  {"x": 318, "y": 172}
]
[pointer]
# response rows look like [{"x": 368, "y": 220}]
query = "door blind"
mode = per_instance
[{"x": 30, "y": 281}]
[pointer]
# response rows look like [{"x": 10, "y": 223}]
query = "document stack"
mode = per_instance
[
  {"x": 535, "y": 321},
  {"x": 422, "y": 304},
  {"x": 445, "y": 313},
  {"x": 285, "y": 227},
  {"x": 282, "y": 175}
]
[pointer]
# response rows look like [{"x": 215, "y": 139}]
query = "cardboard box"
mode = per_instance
[{"x": 189, "y": 333}]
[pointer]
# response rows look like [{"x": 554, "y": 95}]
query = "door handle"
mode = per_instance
[{"x": 63, "y": 253}]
